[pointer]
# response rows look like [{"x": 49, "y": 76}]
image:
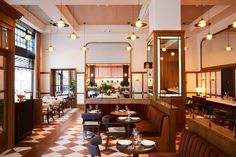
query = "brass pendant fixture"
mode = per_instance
[
  {"x": 228, "y": 47},
  {"x": 202, "y": 23},
  {"x": 73, "y": 35},
  {"x": 138, "y": 23},
  {"x": 60, "y": 23},
  {"x": 27, "y": 36}
]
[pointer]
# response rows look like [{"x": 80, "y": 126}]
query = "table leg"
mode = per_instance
[
  {"x": 135, "y": 155},
  {"x": 128, "y": 130}
]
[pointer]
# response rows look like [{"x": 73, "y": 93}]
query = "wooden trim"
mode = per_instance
[
  {"x": 89, "y": 43},
  {"x": 44, "y": 92},
  {"x": 79, "y": 93},
  {"x": 80, "y": 72},
  {"x": 217, "y": 68},
  {"x": 37, "y": 66},
  {"x": 10, "y": 11},
  {"x": 138, "y": 72},
  {"x": 44, "y": 72}
]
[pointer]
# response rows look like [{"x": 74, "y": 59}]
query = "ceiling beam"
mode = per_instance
[
  {"x": 79, "y": 2},
  {"x": 30, "y": 19}
]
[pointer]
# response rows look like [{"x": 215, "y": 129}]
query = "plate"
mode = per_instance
[
  {"x": 124, "y": 142},
  {"x": 135, "y": 118},
  {"x": 122, "y": 110},
  {"x": 122, "y": 118},
  {"x": 148, "y": 143}
]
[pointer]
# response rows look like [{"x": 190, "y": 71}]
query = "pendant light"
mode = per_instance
[
  {"x": 73, "y": 35},
  {"x": 128, "y": 47},
  {"x": 233, "y": 24},
  {"x": 138, "y": 23},
  {"x": 60, "y": 23},
  {"x": 202, "y": 23},
  {"x": 27, "y": 36},
  {"x": 209, "y": 36},
  {"x": 50, "y": 47},
  {"x": 132, "y": 36},
  {"x": 228, "y": 47},
  {"x": 84, "y": 48}
]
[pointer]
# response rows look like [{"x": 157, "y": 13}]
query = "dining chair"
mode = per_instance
[
  {"x": 115, "y": 131},
  {"x": 91, "y": 121},
  {"x": 93, "y": 146}
]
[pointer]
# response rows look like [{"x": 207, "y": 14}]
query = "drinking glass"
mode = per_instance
[
  {"x": 96, "y": 107},
  {"x": 117, "y": 107},
  {"x": 90, "y": 107},
  {"x": 126, "y": 107}
]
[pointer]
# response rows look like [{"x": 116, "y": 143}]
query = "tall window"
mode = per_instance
[
  {"x": 64, "y": 81},
  {"x": 24, "y": 60}
]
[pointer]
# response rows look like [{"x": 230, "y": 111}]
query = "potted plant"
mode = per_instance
[{"x": 106, "y": 88}]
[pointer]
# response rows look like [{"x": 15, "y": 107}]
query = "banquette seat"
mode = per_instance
[{"x": 191, "y": 145}]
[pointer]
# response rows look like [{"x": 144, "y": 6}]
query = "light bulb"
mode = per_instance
[
  {"x": 234, "y": 24},
  {"x": 28, "y": 37},
  {"x": 60, "y": 23},
  {"x": 133, "y": 36},
  {"x": 209, "y": 36},
  {"x": 84, "y": 48},
  {"x": 172, "y": 53},
  {"x": 202, "y": 23},
  {"x": 185, "y": 48},
  {"x": 50, "y": 48},
  {"x": 161, "y": 58},
  {"x": 128, "y": 48},
  {"x": 163, "y": 49},
  {"x": 228, "y": 48},
  {"x": 149, "y": 48},
  {"x": 73, "y": 36},
  {"x": 139, "y": 23}
]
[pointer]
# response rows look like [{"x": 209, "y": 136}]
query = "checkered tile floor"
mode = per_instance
[{"x": 68, "y": 144}]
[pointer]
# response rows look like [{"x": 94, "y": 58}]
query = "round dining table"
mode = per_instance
[
  {"x": 128, "y": 122},
  {"x": 136, "y": 150},
  {"x": 122, "y": 113}
]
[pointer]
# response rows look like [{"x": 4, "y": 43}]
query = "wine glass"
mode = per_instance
[
  {"x": 96, "y": 107},
  {"x": 126, "y": 107}
]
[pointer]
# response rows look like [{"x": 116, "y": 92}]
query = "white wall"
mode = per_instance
[{"x": 68, "y": 54}]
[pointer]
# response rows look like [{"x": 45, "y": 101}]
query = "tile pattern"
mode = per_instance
[
  {"x": 70, "y": 143},
  {"x": 38, "y": 134}
]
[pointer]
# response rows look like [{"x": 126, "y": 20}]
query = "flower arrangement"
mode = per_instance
[{"x": 20, "y": 97}]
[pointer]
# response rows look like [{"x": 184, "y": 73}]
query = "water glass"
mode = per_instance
[
  {"x": 126, "y": 107},
  {"x": 96, "y": 107},
  {"x": 90, "y": 107},
  {"x": 117, "y": 108}
]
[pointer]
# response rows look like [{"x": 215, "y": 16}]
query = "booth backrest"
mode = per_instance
[{"x": 192, "y": 145}]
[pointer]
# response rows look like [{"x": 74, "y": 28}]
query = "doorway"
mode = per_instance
[{"x": 3, "y": 102}]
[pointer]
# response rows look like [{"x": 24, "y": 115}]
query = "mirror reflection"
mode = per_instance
[
  {"x": 149, "y": 65},
  {"x": 108, "y": 81},
  {"x": 169, "y": 67}
]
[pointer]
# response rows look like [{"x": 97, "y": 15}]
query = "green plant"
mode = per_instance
[
  {"x": 105, "y": 87},
  {"x": 72, "y": 86}
]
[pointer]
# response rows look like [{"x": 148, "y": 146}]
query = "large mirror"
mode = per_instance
[
  {"x": 214, "y": 53},
  {"x": 148, "y": 66},
  {"x": 169, "y": 66},
  {"x": 108, "y": 70}
]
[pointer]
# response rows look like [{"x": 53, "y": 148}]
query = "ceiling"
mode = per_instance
[
  {"x": 107, "y": 12},
  {"x": 103, "y": 14}
]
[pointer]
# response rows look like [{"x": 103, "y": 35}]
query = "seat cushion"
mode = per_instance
[
  {"x": 91, "y": 123},
  {"x": 156, "y": 154},
  {"x": 147, "y": 128}
]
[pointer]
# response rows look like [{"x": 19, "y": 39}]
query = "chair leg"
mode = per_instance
[{"x": 107, "y": 141}]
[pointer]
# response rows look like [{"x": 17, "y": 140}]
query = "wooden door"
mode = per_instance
[{"x": 3, "y": 103}]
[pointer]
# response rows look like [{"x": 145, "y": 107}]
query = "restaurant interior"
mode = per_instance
[{"x": 141, "y": 78}]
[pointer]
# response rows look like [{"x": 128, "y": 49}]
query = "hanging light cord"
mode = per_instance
[
  {"x": 84, "y": 32},
  {"x": 209, "y": 29},
  {"x": 228, "y": 37}
]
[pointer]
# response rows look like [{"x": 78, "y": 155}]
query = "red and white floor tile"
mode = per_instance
[{"x": 69, "y": 144}]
